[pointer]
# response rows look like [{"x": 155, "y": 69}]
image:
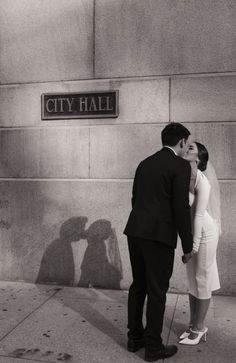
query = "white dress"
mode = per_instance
[{"x": 202, "y": 271}]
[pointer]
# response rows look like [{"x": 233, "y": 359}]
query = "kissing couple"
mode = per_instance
[{"x": 175, "y": 192}]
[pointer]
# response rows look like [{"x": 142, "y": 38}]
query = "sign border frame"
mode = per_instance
[{"x": 115, "y": 115}]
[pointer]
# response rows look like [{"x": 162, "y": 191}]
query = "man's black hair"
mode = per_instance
[{"x": 173, "y": 133}]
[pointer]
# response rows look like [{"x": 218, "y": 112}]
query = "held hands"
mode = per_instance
[{"x": 187, "y": 256}]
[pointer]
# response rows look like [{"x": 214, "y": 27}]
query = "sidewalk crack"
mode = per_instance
[
  {"x": 32, "y": 312},
  {"x": 172, "y": 320}
]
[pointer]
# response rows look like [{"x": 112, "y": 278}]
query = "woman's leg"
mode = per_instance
[
  {"x": 202, "y": 306},
  {"x": 193, "y": 305},
  {"x": 199, "y": 310},
  {"x": 198, "y": 313}
]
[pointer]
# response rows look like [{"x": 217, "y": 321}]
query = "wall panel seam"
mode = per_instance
[
  {"x": 94, "y": 45},
  {"x": 89, "y": 150},
  {"x": 112, "y": 180},
  {"x": 170, "y": 99},
  {"x": 131, "y": 78},
  {"x": 162, "y": 124}
]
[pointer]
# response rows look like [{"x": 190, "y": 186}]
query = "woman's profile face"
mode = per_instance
[{"x": 192, "y": 153}]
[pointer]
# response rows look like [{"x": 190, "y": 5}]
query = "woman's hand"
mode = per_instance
[{"x": 187, "y": 256}]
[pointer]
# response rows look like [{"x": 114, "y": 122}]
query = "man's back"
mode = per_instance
[{"x": 160, "y": 203}]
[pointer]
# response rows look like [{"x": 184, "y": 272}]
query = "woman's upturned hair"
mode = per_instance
[{"x": 203, "y": 156}]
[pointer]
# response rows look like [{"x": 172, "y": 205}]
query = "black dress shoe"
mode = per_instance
[
  {"x": 152, "y": 355},
  {"x": 135, "y": 344}
]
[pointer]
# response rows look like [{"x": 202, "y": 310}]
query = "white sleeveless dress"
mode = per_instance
[{"x": 202, "y": 271}]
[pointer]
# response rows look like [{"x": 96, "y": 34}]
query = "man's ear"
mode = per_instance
[{"x": 181, "y": 144}]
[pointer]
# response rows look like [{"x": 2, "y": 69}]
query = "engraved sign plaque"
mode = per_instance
[{"x": 101, "y": 104}]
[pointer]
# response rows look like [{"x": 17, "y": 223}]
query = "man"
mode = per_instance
[{"x": 160, "y": 210}]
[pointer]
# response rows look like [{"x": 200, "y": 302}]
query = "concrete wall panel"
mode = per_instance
[
  {"x": 227, "y": 245},
  {"x": 143, "y": 101},
  {"x": 44, "y": 153},
  {"x": 136, "y": 38},
  {"x": 45, "y": 40},
  {"x": 203, "y": 99},
  {"x": 117, "y": 150},
  {"x": 219, "y": 138},
  {"x": 40, "y": 230}
]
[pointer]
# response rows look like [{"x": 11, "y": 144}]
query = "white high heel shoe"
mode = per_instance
[
  {"x": 200, "y": 335},
  {"x": 186, "y": 333}
]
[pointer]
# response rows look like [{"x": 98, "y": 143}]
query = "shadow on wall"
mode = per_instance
[{"x": 101, "y": 265}]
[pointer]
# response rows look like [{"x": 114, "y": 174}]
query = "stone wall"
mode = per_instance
[{"x": 170, "y": 61}]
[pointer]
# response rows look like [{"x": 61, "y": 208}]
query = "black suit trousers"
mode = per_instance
[{"x": 152, "y": 267}]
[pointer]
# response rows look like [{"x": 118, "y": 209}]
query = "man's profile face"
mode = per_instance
[{"x": 186, "y": 143}]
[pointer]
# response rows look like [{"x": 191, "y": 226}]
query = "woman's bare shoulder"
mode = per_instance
[{"x": 201, "y": 180}]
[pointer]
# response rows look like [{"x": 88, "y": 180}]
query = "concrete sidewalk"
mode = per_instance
[{"x": 42, "y": 323}]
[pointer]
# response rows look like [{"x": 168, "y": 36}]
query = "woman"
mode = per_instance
[{"x": 202, "y": 272}]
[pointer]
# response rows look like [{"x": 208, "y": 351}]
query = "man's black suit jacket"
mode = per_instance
[{"x": 160, "y": 200}]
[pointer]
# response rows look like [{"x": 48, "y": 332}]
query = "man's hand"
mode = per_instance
[{"x": 187, "y": 256}]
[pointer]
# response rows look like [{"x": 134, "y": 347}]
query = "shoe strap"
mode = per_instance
[{"x": 198, "y": 331}]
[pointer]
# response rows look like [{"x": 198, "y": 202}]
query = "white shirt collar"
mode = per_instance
[{"x": 169, "y": 147}]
